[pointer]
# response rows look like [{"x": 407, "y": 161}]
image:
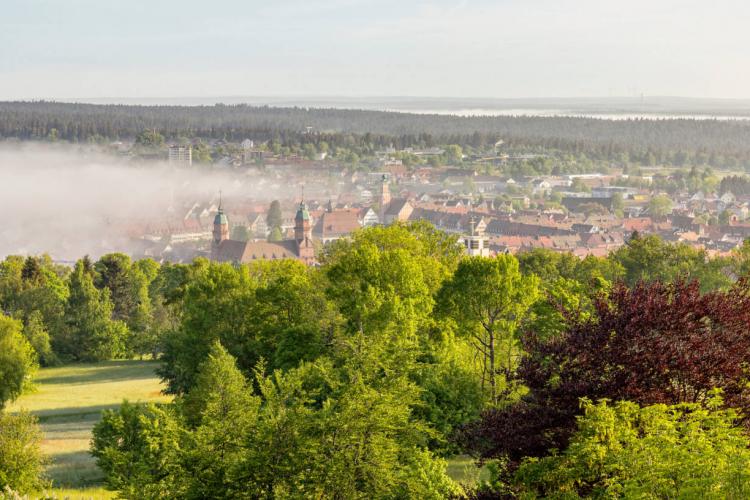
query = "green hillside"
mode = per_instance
[{"x": 68, "y": 401}]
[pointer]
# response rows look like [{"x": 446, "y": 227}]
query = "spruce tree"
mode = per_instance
[
  {"x": 91, "y": 334},
  {"x": 274, "y": 219}
]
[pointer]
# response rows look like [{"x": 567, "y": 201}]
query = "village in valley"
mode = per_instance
[
  {"x": 354, "y": 250},
  {"x": 321, "y": 199}
]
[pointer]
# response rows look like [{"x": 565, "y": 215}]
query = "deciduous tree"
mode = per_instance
[
  {"x": 18, "y": 360},
  {"x": 654, "y": 343},
  {"x": 620, "y": 450},
  {"x": 488, "y": 298},
  {"x": 21, "y": 459}
]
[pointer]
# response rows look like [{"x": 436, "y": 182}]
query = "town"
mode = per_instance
[
  {"x": 489, "y": 211},
  {"x": 349, "y": 250}
]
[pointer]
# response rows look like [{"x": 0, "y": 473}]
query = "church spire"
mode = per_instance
[
  {"x": 385, "y": 198},
  {"x": 221, "y": 225},
  {"x": 303, "y": 234}
]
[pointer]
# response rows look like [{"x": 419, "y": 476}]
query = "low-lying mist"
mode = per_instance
[{"x": 69, "y": 202}]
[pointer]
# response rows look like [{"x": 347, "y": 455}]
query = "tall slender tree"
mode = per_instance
[{"x": 488, "y": 298}]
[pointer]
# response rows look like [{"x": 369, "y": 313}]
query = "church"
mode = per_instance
[
  {"x": 243, "y": 252},
  {"x": 392, "y": 209}
]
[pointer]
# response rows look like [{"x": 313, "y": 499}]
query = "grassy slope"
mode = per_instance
[
  {"x": 69, "y": 400},
  {"x": 463, "y": 469}
]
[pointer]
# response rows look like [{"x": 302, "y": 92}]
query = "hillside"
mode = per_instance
[
  {"x": 83, "y": 122},
  {"x": 68, "y": 401}
]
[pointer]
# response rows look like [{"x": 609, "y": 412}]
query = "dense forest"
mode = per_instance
[
  {"x": 565, "y": 378},
  {"x": 719, "y": 143}
]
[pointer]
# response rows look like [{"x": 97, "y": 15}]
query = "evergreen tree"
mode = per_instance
[
  {"x": 113, "y": 273},
  {"x": 220, "y": 391},
  {"x": 240, "y": 233},
  {"x": 275, "y": 234},
  {"x": 274, "y": 218},
  {"x": 91, "y": 334}
]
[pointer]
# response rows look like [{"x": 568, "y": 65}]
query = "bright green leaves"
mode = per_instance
[
  {"x": 659, "y": 451},
  {"x": 488, "y": 298},
  {"x": 18, "y": 360}
]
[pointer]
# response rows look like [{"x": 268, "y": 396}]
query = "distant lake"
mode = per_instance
[
  {"x": 623, "y": 108},
  {"x": 571, "y": 113}
]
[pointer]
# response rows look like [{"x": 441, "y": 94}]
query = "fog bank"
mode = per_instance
[{"x": 69, "y": 201}]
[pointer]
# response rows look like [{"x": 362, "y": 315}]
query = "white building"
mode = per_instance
[
  {"x": 181, "y": 155},
  {"x": 476, "y": 244}
]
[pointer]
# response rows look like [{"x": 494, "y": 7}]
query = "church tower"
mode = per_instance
[
  {"x": 303, "y": 234},
  {"x": 221, "y": 228},
  {"x": 385, "y": 193},
  {"x": 385, "y": 198}
]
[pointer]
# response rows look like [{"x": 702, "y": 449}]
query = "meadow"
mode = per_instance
[{"x": 68, "y": 402}]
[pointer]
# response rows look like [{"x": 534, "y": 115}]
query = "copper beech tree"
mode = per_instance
[{"x": 653, "y": 343}]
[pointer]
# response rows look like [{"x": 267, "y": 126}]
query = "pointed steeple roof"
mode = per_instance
[
  {"x": 220, "y": 218},
  {"x": 302, "y": 213}
]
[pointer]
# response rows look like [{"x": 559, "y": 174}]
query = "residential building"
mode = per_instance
[
  {"x": 476, "y": 243},
  {"x": 181, "y": 155}
]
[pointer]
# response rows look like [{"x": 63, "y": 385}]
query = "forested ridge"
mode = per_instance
[
  {"x": 676, "y": 140},
  {"x": 617, "y": 376}
]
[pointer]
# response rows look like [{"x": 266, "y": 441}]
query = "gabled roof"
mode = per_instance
[
  {"x": 249, "y": 251},
  {"x": 337, "y": 223},
  {"x": 396, "y": 206}
]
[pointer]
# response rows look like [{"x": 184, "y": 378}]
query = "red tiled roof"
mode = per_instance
[
  {"x": 338, "y": 223},
  {"x": 250, "y": 251}
]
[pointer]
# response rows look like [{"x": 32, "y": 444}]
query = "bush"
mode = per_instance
[
  {"x": 21, "y": 459},
  {"x": 624, "y": 451}
]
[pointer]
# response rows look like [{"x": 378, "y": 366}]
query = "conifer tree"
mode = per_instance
[{"x": 90, "y": 332}]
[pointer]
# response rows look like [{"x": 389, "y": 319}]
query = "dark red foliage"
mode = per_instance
[{"x": 654, "y": 343}]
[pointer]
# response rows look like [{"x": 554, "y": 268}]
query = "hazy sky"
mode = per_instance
[{"x": 480, "y": 48}]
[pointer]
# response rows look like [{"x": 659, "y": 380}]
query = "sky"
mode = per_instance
[{"x": 63, "y": 49}]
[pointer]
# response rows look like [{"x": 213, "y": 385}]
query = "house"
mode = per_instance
[
  {"x": 180, "y": 155},
  {"x": 522, "y": 201},
  {"x": 575, "y": 204},
  {"x": 335, "y": 224},
  {"x": 488, "y": 183},
  {"x": 366, "y": 196},
  {"x": 585, "y": 228},
  {"x": 257, "y": 225},
  {"x": 399, "y": 209},
  {"x": 609, "y": 191},
  {"x": 540, "y": 187},
  {"x": 368, "y": 217}
]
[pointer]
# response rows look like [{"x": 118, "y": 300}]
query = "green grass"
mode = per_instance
[
  {"x": 75, "y": 494},
  {"x": 69, "y": 400},
  {"x": 463, "y": 469}
]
